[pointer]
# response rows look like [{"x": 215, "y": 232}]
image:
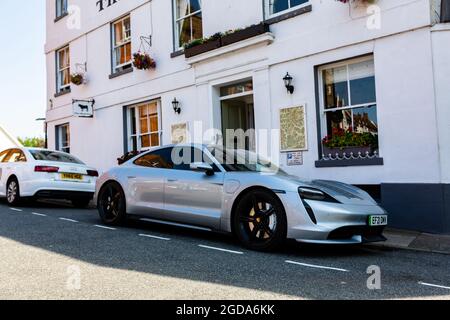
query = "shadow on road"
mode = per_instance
[{"x": 183, "y": 259}]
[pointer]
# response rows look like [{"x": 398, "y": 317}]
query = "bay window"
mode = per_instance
[
  {"x": 144, "y": 122},
  {"x": 63, "y": 70},
  {"x": 188, "y": 22},
  {"x": 121, "y": 46},
  {"x": 348, "y": 107},
  {"x": 274, "y": 7}
]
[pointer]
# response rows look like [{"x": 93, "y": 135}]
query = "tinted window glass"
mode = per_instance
[
  {"x": 47, "y": 155},
  {"x": 182, "y": 157},
  {"x": 3, "y": 155},
  {"x": 14, "y": 155},
  {"x": 160, "y": 159}
]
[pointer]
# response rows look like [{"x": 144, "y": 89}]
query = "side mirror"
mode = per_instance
[{"x": 202, "y": 167}]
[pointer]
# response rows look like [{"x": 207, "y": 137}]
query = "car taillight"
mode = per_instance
[
  {"x": 92, "y": 173},
  {"x": 48, "y": 169}
]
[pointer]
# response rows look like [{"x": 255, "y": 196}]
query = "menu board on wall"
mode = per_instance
[{"x": 293, "y": 129}]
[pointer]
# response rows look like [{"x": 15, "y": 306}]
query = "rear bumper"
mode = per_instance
[
  {"x": 63, "y": 194},
  {"x": 44, "y": 187}
]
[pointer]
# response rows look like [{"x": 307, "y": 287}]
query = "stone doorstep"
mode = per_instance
[{"x": 411, "y": 240}]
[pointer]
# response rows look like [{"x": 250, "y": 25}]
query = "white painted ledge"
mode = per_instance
[
  {"x": 441, "y": 27},
  {"x": 266, "y": 38}
]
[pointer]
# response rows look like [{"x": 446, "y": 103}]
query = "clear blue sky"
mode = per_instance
[{"x": 23, "y": 75}]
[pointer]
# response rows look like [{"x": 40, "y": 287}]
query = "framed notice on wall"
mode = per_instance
[
  {"x": 180, "y": 133},
  {"x": 293, "y": 132}
]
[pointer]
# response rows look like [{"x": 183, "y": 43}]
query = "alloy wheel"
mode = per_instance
[
  {"x": 112, "y": 204},
  {"x": 11, "y": 193},
  {"x": 260, "y": 221}
]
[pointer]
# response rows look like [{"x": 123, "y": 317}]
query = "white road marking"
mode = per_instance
[
  {"x": 38, "y": 214},
  {"x": 219, "y": 249},
  {"x": 316, "y": 266},
  {"x": 68, "y": 220},
  {"x": 18, "y": 210},
  {"x": 434, "y": 285},
  {"x": 153, "y": 237},
  {"x": 104, "y": 227}
]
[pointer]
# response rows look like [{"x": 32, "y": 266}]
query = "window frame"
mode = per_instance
[
  {"x": 61, "y": 8},
  {"x": 138, "y": 135},
  {"x": 125, "y": 41},
  {"x": 58, "y": 138},
  {"x": 176, "y": 21},
  {"x": 59, "y": 71},
  {"x": 269, "y": 15},
  {"x": 321, "y": 111}
]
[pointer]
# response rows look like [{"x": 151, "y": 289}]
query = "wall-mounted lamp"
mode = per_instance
[
  {"x": 176, "y": 106},
  {"x": 288, "y": 83}
]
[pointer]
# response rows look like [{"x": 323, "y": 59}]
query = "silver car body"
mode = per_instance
[{"x": 196, "y": 199}]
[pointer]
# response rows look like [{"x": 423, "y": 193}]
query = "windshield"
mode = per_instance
[
  {"x": 243, "y": 161},
  {"x": 46, "y": 155}
]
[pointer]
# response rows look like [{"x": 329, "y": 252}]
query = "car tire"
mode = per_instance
[
  {"x": 111, "y": 204},
  {"x": 81, "y": 203},
  {"x": 259, "y": 221},
  {"x": 13, "y": 192}
]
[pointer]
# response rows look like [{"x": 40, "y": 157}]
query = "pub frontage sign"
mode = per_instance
[{"x": 102, "y": 4}]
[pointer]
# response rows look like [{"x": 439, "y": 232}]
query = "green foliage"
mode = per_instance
[
  {"x": 347, "y": 138},
  {"x": 35, "y": 142}
]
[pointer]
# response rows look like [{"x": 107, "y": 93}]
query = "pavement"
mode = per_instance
[
  {"x": 53, "y": 251},
  {"x": 413, "y": 240}
]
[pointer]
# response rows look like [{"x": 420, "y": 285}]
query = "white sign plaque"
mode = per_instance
[
  {"x": 295, "y": 158},
  {"x": 83, "y": 108}
]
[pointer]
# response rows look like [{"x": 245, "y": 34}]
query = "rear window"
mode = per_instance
[{"x": 46, "y": 155}]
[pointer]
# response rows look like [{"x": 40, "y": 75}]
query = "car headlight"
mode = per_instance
[{"x": 315, "y": 194}]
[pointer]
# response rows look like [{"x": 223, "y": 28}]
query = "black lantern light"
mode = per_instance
[
  {"x": 288, "y": 83},
  {"x": 176, "y": 106}
]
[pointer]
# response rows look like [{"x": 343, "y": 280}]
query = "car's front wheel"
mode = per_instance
[
  {"x": 260, "y": 221},
  {"x": 13, "y": 192},
  {"x": 111, "y": 204}
]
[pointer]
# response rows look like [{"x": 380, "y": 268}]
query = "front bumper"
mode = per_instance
[{"x": 331, "y": 223}]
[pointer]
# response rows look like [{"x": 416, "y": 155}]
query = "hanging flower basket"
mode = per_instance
[
  {"x": 77, "y": 79},
  {"x": 143, "y": 61}
]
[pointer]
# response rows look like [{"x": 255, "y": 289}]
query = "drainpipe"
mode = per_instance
[{"x": 445, "y": 11}]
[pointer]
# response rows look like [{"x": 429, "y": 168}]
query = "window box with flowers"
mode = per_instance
[
  {"x": 344, "y": 143},
  {"x": 237, "y": 35},
  {"x": 199, "y": 46}
]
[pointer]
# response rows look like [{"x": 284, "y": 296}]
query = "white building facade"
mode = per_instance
[{"x": 378, "y": 72}]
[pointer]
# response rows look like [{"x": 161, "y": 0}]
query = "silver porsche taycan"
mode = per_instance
[{"x": 238, "y": 192}]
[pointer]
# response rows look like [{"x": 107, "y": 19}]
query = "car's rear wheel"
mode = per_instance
[
  {"x": 81, "y": 203},
  {"x": 111, "y": 204},
  {"x": 260, "y": 221},
  {"x": 13, "y": 192}
]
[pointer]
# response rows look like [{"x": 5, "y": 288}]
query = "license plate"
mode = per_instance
[
  {"x": 381, "y": 220},
  {"x": 71, "y": 176}
]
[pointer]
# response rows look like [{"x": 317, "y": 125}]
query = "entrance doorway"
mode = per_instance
[{"x": 237, "y": 112}]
